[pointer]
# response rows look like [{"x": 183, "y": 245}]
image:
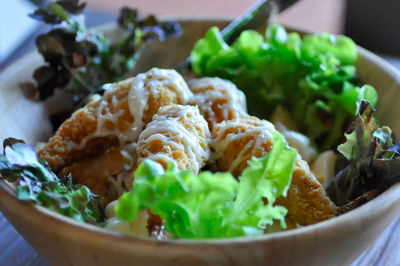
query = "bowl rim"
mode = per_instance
[{"x": 388, "y": 198}]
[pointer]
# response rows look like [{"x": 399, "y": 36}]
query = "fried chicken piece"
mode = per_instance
[
  {"x": 235, "y": 142},
  {"x": 178, "y": 133},
  {"x": 115, "y": 119},
  {"x": 218, "y": 99},
  {"x": 109, "y": 174},
  {"x": 306, "y": 200}
]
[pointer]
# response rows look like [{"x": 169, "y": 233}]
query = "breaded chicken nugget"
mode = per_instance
[
  {"x": 235, "y": 142},
  {"x": 218, "y": 99},
  {"x": 109, "y": 174},
  {"x": 306, "y": 200},
  {"x": 179, "y": 134},
  {"x": 115, "y": 119}
]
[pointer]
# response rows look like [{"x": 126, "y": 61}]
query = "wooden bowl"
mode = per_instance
[{"x": 63, "y": 241}]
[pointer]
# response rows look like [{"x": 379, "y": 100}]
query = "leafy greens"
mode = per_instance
[
  {"x": 374, "y": 161},
  {"x": 314, "y": 77},
  {"x": 37, "y": 183},
  {"x": 79, "y": 60},
  {"x": 213, "y": 205}
]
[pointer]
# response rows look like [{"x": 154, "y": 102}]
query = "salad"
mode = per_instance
[{"x": 165, "y": 156}]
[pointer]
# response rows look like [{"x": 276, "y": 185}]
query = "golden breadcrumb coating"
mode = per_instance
[
  {"x": 235, "y": 142},
  {"x": 178, "y": 133},
  {"x": 101, "y": 172},
  {"x": 218, "y": 100},
  {"x": 115, "y": 119},
  {"x": 306, "y": 200}
]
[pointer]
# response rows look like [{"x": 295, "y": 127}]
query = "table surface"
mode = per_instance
[{"x": 16, "y": 251}]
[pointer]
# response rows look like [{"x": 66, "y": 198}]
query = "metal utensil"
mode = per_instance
[{"x": 257, "y": 15}]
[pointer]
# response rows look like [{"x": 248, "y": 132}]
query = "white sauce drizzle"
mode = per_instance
[
  {"x": 155, "y": 78},
  {"x": 262, "y": 132},
  {"x": 140, "y": 88},
  {"x": 163, "y": 123},
  {"x": 209, "y": 90}
]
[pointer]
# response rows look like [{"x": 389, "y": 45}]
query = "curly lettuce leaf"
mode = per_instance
[
  {"x": 373, "y": 159},
  {"x": 37, "y": 183},
  {"x": 212, "y": 44},
  {"x": 314, "y": 77},
  {"x": 341, "y": 47},
  {"x": 213, "y": 205}
]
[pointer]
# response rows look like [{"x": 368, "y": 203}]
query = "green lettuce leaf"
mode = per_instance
[
  {"x": 37, "y": 183},
  {"x": 213, "y": 205},
  {"x": 314, "y": 78},
  {"x": 341, "y": 47}
]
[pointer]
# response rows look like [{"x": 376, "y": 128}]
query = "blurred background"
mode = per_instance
[
  {"x": 17, "y": 31},
  {"x": 372, "y": 24}
]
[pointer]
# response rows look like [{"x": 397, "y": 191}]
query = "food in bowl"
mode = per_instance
[
  {"x": 154, "y": 109},
  {"x": 249, "y": 123}
]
